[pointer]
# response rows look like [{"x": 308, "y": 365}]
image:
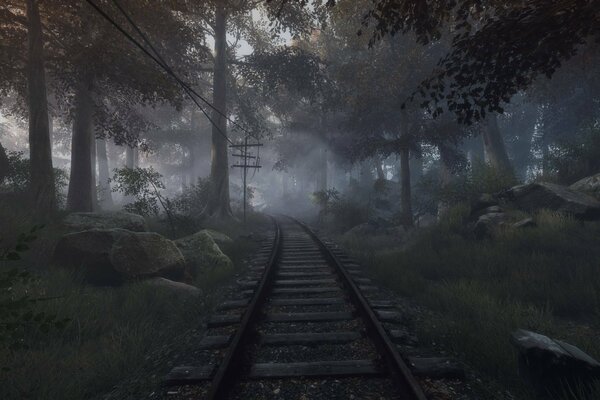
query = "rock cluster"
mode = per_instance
[{"x": 112, "y": 248}]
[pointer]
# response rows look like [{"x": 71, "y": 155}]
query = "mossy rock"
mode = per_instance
[{"x": 202, "y": 254}]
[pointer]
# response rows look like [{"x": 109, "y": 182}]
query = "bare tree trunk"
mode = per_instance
[
  {"x": 445, "y": 176},
  {"x": 365, "y": 174},
  {"x": 219, "y": 204},
  {"x": 42, "y": 187},
  {"x": 406, "y": 214},
  {"x": 3, "y": 164},
  {"x": 322, "y": 172},
  {"x": 79, "y": 197},
  {"x": 379, "y": 168},
  {"x": 129, "y": 157},
  {"x": 495, "y": 150},
  {"x": 93, "y": 186},
  {"x": 105, "y": 199}
]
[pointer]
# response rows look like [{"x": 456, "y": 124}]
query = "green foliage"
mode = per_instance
[
  {"x": 17, "y": 313},
  {"x": 345, "y": 213},
  {"x": 466, "y": 186},
  {"x": 17, "y": 179},
  {"x": 575, "y": 159},
  {"x": 193, "y": 199},
  {"x": 144, "y": 185},
  {"x": 480, "y": 291}
]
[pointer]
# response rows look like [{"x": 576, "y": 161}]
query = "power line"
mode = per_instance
[
  {"x": 162, "y": 63},
  {"x": 170, "y": 71}
]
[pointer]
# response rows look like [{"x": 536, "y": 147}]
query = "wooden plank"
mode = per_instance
[
  {"x": 247, "y": 284},
  {"x": 187, "y": 374},
  {"x": 320, "y": 368},
  {"x": 382, "y": 304},
  {"x": 306, "y": 268},
  {"x": 362, "y": 281},
  {"x": 303, "y": 282},
  {"x": 288, "y": 339},
  {"x": 389, "y": 316},
  {"x": 229, "y": 305},
  {"x": 215, "y": 342},
  {"x": 223, "y": 320},
  {"x": 327, "y": 289},
  {"x": 368, "y": 288},
  {"x": 304, "y": 274},
  {"x": 317, "y": 301},
  {"x": 309, "y": 316}
]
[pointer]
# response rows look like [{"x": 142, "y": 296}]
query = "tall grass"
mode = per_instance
[
  {"x": 111, "y": 332},
  {"x": 480, "y": 291}
]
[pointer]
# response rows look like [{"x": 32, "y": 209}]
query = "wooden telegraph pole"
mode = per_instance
[{"x": 243, "y": 148}]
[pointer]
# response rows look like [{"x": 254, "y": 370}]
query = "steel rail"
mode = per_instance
[
  {"x": 403, "y": 377},
  {"x": 231, "y": 365}
]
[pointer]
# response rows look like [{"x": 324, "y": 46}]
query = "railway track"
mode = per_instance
[{"x": 303, "y": 313}]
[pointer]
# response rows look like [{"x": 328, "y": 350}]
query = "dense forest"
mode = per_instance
[{"x": 449, "y": 147}]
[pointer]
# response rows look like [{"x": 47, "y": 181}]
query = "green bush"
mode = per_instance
[
  {"x": 576, "y": 158},
  {"x": 17, "y": 178},
  {"x": 482, "y": 290},
  {"x": 465, "y": 186}
]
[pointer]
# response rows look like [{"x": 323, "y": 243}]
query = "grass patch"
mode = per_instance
[
  {"x": 111, "y": 331},
  {"x": 480, "y": 291}
]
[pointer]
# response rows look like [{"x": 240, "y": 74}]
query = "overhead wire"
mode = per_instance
[{"x": 163, "y": 64}]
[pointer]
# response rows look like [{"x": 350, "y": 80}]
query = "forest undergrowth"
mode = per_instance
[
  {"x": 545, "y": 279},
  {"x": 109, "y": 332}
]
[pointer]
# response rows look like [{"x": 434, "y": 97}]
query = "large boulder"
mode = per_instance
[
  {"x": 201, "y": 253},
  {"x": 219, "y": 238},
  {"x": 111, "y": 256},
  {"x": 551, "y": 365},
  {"x": 488, "y": 223},
  {"x": 83, "y": 221},
  {"x": 589, "y": 185},
  {"x": 542, "y": 195}
]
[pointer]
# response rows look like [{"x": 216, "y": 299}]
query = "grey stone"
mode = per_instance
[
  {"x": 111, "y": 256},
  {"x": 484, "y": 201},
  {"x": 488, "y": 223},
  {"x": 548, "y": 365},
  {"x": 543, "y": 195},
  {"x": 524, "y": 223},
  {"x": 589, "y": 185},
  {"x": 83, "y": 221},
  {"x": 219, "y": 238},
  {"x": 426, "y": 220},
  {"x": 202, "y": 254}
]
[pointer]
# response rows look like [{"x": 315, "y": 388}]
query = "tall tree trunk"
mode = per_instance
[
  {"x": 322, "y": 173},
  {"x": 42, "y": 187},
  {"x": 129, "y": 157},
  {"x": 495, "y": 150},
  {"x": 105, "y": 199},
  {"x": 365, "y": 174},
  {"x": 3, "y": 164},
  {"x": 379, "y": 168},
  {"x": 218, "y": 203},
  {"x": 93, "y": 182},
  {"x": 79, "y": 197},
  {"x": 445, "y": 175},
  {"x": 406, "y": 213}
]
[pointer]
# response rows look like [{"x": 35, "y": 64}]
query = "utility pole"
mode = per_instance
[{"x": 243, "y": 148}]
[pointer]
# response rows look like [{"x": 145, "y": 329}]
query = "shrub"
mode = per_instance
[
  {"x": 466, "y": 186},
  {"x": 576, "y": 158},
  {"x": 17, "y": 178},
  {"x": 481, "y": 290}
]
